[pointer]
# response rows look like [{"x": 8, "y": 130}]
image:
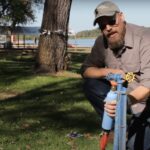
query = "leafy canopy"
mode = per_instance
[{"x": 13, "y": 12}]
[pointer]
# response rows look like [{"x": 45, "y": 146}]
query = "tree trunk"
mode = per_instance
[{"x": 54, "y": 36}]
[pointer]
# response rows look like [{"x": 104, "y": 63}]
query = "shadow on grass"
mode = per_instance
[
  {"x": 76, "y": 61},
  {"x": 11, "y": 71},
  {"x": 57, "y": 106},
  {"x": 14, "y": 69}
]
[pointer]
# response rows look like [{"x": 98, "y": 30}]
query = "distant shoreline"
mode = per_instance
[{"x": 76, "y": 37}]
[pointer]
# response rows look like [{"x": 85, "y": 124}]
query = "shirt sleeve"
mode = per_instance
[
  {"x": 96, "y": 57},
  {"x": 145, "y": 60}
]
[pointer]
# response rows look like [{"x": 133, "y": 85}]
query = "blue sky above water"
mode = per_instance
[{"x": 82, "y": 13}]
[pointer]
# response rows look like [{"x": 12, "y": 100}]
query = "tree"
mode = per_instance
[
  {"x": 14, "y": 12},
  {"x": 54, "y": 36}
]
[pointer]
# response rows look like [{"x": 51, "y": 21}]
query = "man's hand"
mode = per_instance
[
  {"x": 110, "y": 108},
  {"x": 117, "y": 71},
  {"x": 94, "y": 72}
]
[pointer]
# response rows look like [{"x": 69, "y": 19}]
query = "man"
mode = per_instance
[{"x": 121, "y": 48}]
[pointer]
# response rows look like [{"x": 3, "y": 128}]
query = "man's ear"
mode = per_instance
[{"x": 122, "y": 16}]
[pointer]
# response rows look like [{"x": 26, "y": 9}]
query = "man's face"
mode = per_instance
[{"x": 113, "y": 28}]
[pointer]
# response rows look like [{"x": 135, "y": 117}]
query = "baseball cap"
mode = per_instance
[{"x": 106, "y": 8}]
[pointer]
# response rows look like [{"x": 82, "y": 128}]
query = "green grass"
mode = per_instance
[{"x": 38, "y": 111}]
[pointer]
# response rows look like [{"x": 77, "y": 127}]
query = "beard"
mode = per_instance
[
  {"x": 116, "y": 45},
  {"x": 117, "y": 42}
]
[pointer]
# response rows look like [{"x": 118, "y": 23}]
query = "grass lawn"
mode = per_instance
[{"x": 38, "y": 112}]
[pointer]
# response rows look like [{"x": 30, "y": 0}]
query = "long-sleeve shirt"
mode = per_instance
[{"x": 133, "y": 57}]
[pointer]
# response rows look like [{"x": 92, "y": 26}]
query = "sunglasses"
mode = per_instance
[{"x": 107, "y": 21}]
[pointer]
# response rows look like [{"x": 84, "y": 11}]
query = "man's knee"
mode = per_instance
[
  {"x": 96, "y": 91},
  {"x": 99, "y": 87}
]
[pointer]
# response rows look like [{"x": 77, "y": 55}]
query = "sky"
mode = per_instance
[{"x": 82, "y": 13}]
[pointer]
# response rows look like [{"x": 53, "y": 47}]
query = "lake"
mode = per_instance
[
  {"x": 82, "y": 42},
  {"x": 76, "y": 42}
]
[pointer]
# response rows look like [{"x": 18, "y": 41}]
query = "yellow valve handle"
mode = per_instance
[{"x": 130, "y": 77}]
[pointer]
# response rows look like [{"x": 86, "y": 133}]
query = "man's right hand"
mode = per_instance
[
  {"x": 117, "y": 71},
  {"x": 110, "y": 108},
  {"x": 94, "y": 72}
]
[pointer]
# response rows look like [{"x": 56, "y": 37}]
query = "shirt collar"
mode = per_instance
[{"x": 129, "y": 37}]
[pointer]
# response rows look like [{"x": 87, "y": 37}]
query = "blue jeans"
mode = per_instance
[
  {"x": 138, "y": 128},
  {"x": 96, "y": 91}
]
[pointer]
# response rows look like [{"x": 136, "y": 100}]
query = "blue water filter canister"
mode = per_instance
[{"x": 107, "y": 122}]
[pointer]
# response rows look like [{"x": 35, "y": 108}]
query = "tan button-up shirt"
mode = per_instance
[{"x": 134, "y": 57}]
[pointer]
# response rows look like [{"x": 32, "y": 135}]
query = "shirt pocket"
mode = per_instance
[{"x": 131, "y": 67}]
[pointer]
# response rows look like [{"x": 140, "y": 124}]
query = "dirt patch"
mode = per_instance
[
  {"x": 67, "y": 74},
  {"x": 6, "y": 95}
]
